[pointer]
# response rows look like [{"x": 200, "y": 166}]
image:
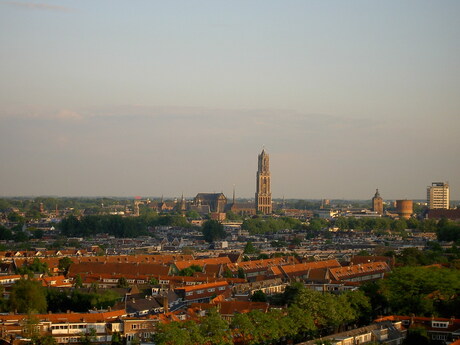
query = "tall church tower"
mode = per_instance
[
  {"x": 377, "y": 203},
  {"x": 263, "y": 191}
]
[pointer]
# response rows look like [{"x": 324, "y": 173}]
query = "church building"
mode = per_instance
[{"x": 263, "y": 189}]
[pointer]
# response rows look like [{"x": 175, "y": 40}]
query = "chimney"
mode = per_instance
[{"x": 165, "y": 303}]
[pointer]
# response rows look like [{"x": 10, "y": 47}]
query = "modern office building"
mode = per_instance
[
  {"x": 263, "y": 189},
  {"x": 437, "y": 195}
]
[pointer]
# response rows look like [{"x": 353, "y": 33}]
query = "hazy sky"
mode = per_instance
[{"x": 150, "y": 97}]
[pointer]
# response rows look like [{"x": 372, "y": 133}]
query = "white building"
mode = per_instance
[{"x": 438, "y": 195}]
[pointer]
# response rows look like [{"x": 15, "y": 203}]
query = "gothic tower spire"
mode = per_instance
[{"x": 263, "y": 189}]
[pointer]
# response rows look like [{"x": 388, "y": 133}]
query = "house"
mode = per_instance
[
  {"x": 228, "y": 309},
  {"x": 381, "y": 332},
  {"x": 364, "y": 259},
  {"x": 9, "y": 279},
  {"x": 64, "y": 328},
  {"x": 56, "y": 281},
  {"x": 211, "y": 266},
  {"x": 360, "y": 273},
  {"x": 203, "y": 292},
  {"x": 303, "y": 270},
  {"x": 121, "y": 268},
  {"x": 138, "y": 329},
  {"x": 268, "y": 287},
  {"x": 437, "y": 328},
  {"x": 258, "y": 269}
]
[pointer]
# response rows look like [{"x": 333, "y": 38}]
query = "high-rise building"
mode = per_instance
[
  {"x": 437, "y": 195},
  {"x": 377, "y": 203},
  {"x": 263, "y": 190}
]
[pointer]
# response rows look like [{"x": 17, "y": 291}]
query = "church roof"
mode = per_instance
[{"x": 209, "y": 196}]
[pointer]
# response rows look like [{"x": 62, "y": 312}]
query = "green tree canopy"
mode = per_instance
[
  {"x": 26, "y": 296},
  {"x": 64, "y": 264},
  {"x": 213, "y": 230},
  {"x": 422, "y": 291},
  {"x": 250, "y": 249}
]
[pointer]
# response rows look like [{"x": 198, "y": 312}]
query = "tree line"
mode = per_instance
[
  {"x": 29, "y": 296},
  {"x": 116, "y": 225},
  {"x": 308, "y": 314}
]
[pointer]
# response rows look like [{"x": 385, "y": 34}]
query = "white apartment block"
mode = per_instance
[{"x": 438, "y": 195}]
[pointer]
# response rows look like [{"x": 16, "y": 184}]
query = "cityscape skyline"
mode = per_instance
[{"x": 110, "y": 99}]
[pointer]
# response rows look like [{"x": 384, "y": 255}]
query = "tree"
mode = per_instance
[
  {"x": 213, "y": 230},
  {"x": 38, "y": 234},
  {"x": 192, "y": 214},
  {"x": 122, "y": 283},
  {"x": 173, "y": 333},
  {"x": 64, "y": 264},
  {"x": 360, "y": 306},
  {"x": 36, "y": 266},
  {"x": 232, "y": 216},
  {"x": 250, "y": 249},
  {"x": 46, "y": 339},
  {"x": 317, "y": 224},
  {"x": 422, "y": 291},
  {"x": 323, "y": 342},
  {"x": 241, "y": 273},
  {"x": 417, "y": 336},
  {"x": 5, "y": 234},
  {"x": 188, "y": 251},
  {"x": 78, "y": 281},
  {"x": 259, "y": 296},
  {"x": 242, "y": 324},
  {"x": 117, "y": 338},
  {"x": 20, "y": 236},
  {"x": 302, "y": 322},
  {"x": 31, "y": 325},
  {"x": 26, "y": 296},
  {"x": 215, "y": 330},
  {"x": 88, "y": 337},
  {"x": 190, "y": 271},
  {"x": 15, "y": 218}
]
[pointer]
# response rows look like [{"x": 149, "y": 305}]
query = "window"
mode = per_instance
[{"x": 211, "y": 290}]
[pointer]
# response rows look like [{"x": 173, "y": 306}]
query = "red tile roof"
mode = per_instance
[
  {"x": 257, "y": 265},
  {"x": 347, "y": 272},
  {"x": 68, "y": 317},
  {"x": 150, "y": 269}
]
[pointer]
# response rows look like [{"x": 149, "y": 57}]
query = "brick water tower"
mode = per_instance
[{"x": 404, "y": 208}]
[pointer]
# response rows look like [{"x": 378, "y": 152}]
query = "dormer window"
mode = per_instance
[{"x": 439, "y": 324}]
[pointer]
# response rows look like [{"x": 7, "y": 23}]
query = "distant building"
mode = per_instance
[
  {"x": 241, "y": 208},
  {"x": 377, "y": 203},
  {"x": 437, "y": 195},
  {"x": 215, "y": 201},
  {"x": 442, "y": 213},
  {"x": 263, "y": 189},
  {"x": 404, "y": 208}
]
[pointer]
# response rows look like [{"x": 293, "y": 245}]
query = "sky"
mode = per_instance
[{"x": 151, "y": 98}]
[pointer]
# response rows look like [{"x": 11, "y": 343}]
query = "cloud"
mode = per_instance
[
  {"x": 66, "y": 114},
  {"x": 38, "y": 6},
  {"x": 37, "y": 112}
]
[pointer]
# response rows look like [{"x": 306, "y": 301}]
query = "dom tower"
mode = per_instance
[{"x": 263, "y": 191}]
